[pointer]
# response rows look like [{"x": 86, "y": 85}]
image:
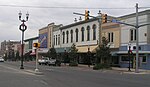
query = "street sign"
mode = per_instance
[{"x": 114, "y": 20}]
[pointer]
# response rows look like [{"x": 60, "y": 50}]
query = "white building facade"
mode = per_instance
[
  {"x": 128, "y": 37},
  {"x": 83, "y": 34}
]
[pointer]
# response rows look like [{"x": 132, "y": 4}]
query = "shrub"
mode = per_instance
[
  {"x": 73, "y": 64},
  {"x": 101, "y": 66}
]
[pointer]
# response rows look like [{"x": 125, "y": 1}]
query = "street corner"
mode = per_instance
[{"x": 137, "y": 73}]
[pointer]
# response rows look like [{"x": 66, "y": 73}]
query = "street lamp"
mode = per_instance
[
  {"x": 129, "y": 55},
  {"x": 89, "y": 55},
  {"x": 22, "y": 27}
]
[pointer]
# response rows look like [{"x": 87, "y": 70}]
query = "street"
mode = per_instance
[{"x": 11, "y": 75}]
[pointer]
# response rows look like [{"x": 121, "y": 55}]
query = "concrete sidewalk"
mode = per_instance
[
  {"x": 126, "y": 71},
  {"x": 114, "y": 69}
]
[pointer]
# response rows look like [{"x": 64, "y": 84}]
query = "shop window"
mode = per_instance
[
  {"x": 124, "y": 58},
  {"x": 144, "y": 60}
]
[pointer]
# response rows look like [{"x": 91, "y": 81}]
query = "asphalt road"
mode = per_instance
[
  {"x": 11, "y": 76},
  {"x": 66, "y": 77}
]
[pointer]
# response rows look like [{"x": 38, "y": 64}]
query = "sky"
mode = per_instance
[{"x": 44, "y": 12}]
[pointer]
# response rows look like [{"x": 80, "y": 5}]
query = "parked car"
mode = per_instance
[
  {"x": 52, "y": 61},
  {"x": 44, "y": 61},
  {"x": 1, "y": 59}
]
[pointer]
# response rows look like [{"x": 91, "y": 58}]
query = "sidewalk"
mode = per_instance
[
  {"x": 114, "y": 69},
  {"x": 126, "y": 71}
]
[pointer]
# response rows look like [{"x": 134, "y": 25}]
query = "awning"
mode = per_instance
[
  {"x": 84, "y": 49},
  {"x": 62, "y": 50},
  {"x": 134, "y": 52},
  {"x": 43, "y": 50}
]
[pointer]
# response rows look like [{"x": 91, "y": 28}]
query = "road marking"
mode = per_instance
[{"x": 17, "y": 70}]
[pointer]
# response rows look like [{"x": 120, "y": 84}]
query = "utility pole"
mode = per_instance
[
  {"x": 137, "y": 40},
  {"x": 100, "y": 27}
]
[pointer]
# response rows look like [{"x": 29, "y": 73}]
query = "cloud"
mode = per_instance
[{"x": 41, "y": 17}]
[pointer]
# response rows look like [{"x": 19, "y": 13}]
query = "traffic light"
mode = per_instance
[
  {"x": 104, "y": 18},
  {"x": 36, "y": 44},
  {"x": 87, "y": 15},
  {"x": 130, "y": 52},
  {"x": 134, "y": 48}
]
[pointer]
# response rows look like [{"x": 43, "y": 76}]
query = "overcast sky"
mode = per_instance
[{"x": 41, "y": 17}]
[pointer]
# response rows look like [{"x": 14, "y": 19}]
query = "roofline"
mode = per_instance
[
  {"x": 78, "y": 23},
  {"x": 82, "y": 22},
  {"x": 134, "y": 14}
]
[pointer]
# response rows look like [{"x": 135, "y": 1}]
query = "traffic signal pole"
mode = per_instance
[
  {"x": 36, "y": 45},
  {"x": 36, "y": 65},
  {"x": 137, "y": 40}
]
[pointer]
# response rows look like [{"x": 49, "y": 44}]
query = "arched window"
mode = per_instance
[
  {"x": 56, "y": 39},
  {"x": 94, "y": 32},
  {"x": 67, "y": 33},
  {"x": 88, "y": 33},
  {"x": 77, "y": 34},
  {"x": 63, "y": 37},
  {"x": 82, "y": 36},
  {"x": 71, "y": 32}
]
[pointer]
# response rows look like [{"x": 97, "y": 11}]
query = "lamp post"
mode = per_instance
[
  {"x": 22, "y": 27},
  {"x": 89, "y": 54},
  {"x": 129, "y": 55}
]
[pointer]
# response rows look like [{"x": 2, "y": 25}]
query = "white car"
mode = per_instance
[
  {"x": 1, "y": 59},
  {"x": 44, "y": 60},
  {"x": 52, "y": 62}
]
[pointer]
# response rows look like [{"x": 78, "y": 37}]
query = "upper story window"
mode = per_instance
[
  {"x": 71, "y": 32},
  {"x": 63, "y": 37},
  {"x": 56, "y": 39},
  {"x": 88, "y": 33},
  {"x": 59, "y": 39},
  {"x": 82, "y": 36},
  {"x": 67, "y": 34},
  {"x": 111, "y": 37},
  {"x": 94, "y": 32},
  {"x": 77, "y": 34},
  {"x": 133, "y": 35}
]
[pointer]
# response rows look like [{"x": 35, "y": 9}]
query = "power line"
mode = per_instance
[{"x": 62, "y": 7}]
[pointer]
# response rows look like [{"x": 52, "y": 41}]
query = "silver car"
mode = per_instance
[
  {"x": 1, "y": 59},
  {"x": 52, "y": 62},
  {"x": 44, "y": 61}
]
